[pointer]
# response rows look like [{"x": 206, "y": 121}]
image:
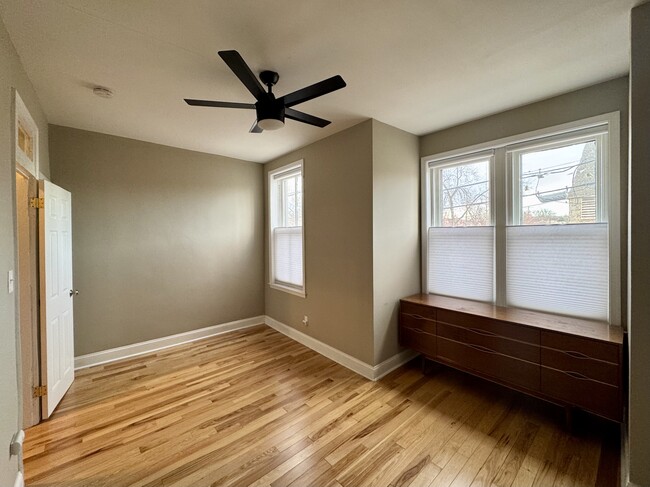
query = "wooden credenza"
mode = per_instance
[{"x": 570, "y": 362}]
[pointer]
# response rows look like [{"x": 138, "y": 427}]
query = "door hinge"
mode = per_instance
[
  {"x": 40, "y": 391},
  {"x": 36, "y": 202}
]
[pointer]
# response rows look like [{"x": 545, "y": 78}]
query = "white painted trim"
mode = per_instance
[
  {"x": 156, "y": 344},
  {"x": 392, "y": 363},
  {"x": 354, "y": 364},
  {"x": 21, "y": 113},
  {"x": 20, "y": 480},
  {"x": 372, "y": 372},
  {"x": 584, "y": 123}
]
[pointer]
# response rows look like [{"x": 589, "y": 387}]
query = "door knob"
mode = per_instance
[{"x": 73, "y": 292}]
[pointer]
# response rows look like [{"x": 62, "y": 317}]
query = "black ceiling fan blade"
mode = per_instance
[
  {"x": 305, "y": 118},
  {"x": 256, "y": 129},
  {"x": 310, "y": 92},
  {"x": 238, "y": 66},
  {"x": 218, "y": 104}
]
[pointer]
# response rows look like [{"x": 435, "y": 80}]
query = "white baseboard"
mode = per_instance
[
  {"x": 392, "y": 363},
  {"x": 20, "y": 480},
  {"x": 372, "y": 372},
  {"x": 156, "y": 344}
]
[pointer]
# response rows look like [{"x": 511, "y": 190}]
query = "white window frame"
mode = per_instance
[
  {"x": 501, "y": 193},
  {"x": 274, "y": 204},
  {"x": 21, "y": 114},
  {"x": 434, "y": 168},
  {"x": 598, "y": 133}
]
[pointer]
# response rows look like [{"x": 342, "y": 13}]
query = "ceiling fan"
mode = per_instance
[{"x": 271, "y": 111}]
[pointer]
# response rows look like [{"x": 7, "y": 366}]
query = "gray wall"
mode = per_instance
[
  {"x": 595, "y": 100},
  {"x": 639, "y": 249},
  {"x": 165, "y": 240},
  {"x": 12, "y": 76},
  {"x": 395, "y": 230},
  {"x": 338, "y": 243}
]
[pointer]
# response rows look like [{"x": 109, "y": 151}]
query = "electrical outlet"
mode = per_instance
[
  {"x": 10, "y": 281},
  {"x": 305, "y": 320}
]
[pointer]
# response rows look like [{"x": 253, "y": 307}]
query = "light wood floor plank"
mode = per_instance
[{"x": 254, "y": 408}]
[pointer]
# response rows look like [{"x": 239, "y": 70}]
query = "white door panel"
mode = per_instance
[{"x": 57, "y": 324}]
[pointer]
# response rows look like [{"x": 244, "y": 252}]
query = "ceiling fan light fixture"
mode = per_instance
[{"x": 270, "y": 124}]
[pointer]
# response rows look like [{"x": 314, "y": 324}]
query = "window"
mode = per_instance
[
  {"x": 286, "y": 229},
  {"x": 26, "y": 138},
  {"x": 526, "y": 222},
  {"x": 461, "y": 234}
]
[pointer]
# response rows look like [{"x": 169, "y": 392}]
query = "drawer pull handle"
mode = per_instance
[
  {"x": 573, "y": 354},
  {"x": 418, "y": 317},
  {"x": 576, "y": 375},
  {"x": 481, "y": 349},
  {"x": 483, "y": 332}
]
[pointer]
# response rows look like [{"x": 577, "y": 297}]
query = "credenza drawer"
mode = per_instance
[
  {"x": 577, "y": 390},
  {"x": 505, "y": 346},
  {"x": 579, "y": 346},
  {"x": 490, "y": 363},
  {"x": 418, "y": 310},
  {"x": 489, "y": 326},
  {"x": 569, "y": 361},
  {"x": 575, "y": 362},
  {"x": 417, "y": 322},
  {"x": 418, "y": 340}
]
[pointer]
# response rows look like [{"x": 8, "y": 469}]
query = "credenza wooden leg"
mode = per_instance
[
  {"x": 428, "y": 365},
  {"x": 568, "y": 418}
]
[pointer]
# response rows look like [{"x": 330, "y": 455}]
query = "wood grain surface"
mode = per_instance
[
  {"x": 596, "y": 330},
  {"x": 254, "y": 408}
]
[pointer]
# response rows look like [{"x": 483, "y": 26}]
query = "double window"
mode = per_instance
[
  {"x": 525, "y": 222},
  {"x": 286, "y": 229}
]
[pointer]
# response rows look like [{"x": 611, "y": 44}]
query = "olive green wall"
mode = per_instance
[
  {"x": 338, "y": 243},
  {"x": 361, "y": 190},
  {"x": 165, "y": 240},
  {"x": 395, "y": 230},
  {"x": 12, "y": 76},
  {"x": 639, "y": 250}
]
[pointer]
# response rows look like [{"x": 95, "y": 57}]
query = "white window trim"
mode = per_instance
[
  {"x": 552, "y": 143},
  {"x": 500, "y": 187},
  {"x": 301, "y": 292},
  {"x": 22, "y": 113}
]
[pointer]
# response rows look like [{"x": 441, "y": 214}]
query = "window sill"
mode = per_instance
[{"x": 296, "y": 292}]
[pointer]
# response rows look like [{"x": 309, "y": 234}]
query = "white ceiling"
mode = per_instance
[{"x": 420, "y": 65}]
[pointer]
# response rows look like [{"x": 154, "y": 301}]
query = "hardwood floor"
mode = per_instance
[{"x": 256, "y": 408}]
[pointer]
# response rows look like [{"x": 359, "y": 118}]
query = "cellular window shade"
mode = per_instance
[
  {"x": 461, "y": 262},
  {"x": 559, "y": 268},
  {"x": 287, "y": 256}
]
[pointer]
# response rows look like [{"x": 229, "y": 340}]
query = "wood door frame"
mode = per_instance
[{"x": 28, "y": 299}]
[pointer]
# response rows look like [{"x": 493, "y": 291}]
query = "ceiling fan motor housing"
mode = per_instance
[{"x": 271, "y": 109}]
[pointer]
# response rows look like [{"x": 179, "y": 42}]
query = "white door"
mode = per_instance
[{"x": 57, "y": 339}]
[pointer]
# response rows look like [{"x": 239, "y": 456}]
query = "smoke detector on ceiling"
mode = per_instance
[{"x": 102, "y": 92}]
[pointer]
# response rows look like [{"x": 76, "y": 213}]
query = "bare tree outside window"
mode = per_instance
[
  {"x": 292, "y": 201},
  {"x": 465, "y": 195}
]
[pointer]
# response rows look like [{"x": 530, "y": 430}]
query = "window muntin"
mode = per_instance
[{"x": 286, "y": 229}]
